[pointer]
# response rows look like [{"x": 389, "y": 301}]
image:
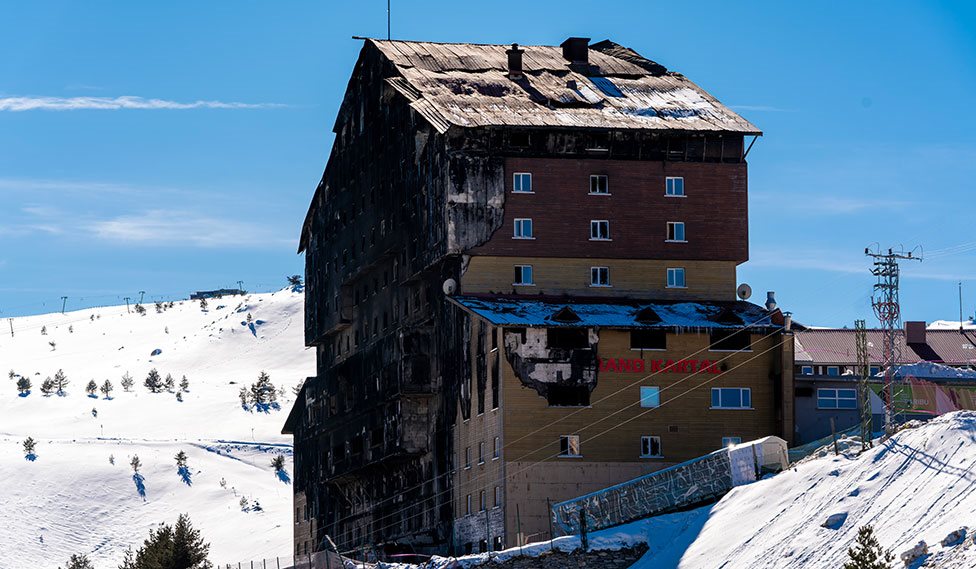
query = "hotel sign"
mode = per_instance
[{"x": 624, "y": 365}]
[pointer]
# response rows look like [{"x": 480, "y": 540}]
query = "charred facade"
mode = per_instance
[{"x": 416, "y": 205}]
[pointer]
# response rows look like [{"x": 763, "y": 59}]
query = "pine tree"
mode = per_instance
[
  {"x": 92, "y": 387},
  {"x": 71, "y": 329},
  {"x": 278, "y": 462},
  {"x": 171, "y": 547},
  {"x": 47, "y": 386},
  {"x": 249, "y": 318},
  {"x": 295, "y": 280},
  {"x": 867, "y": 553},
  {"x": 180, "y": 459},
  {"x": 153, "y": 381},
  {"x": 79, "y": 562},
  {"x": 127, "y": 382},
  {"x": 135, "y": 463},
  {"x": 184, "y": 384},
  {"x": 29, "y": 445},
  {"x": 159, "y": 307},
  {"x": 60, "y": 381},
  {"x": 107, "y": 388},
  {"x": 12, "y": 374},
  {"x": 111, "y": 459},
  {"x": 244, "y": 504},
  {"x": 24, "y": 385},
  {"x": 43, "y": 330},
  {"x": 53, "y": 344},
  {"x": 179, "y": 396},
  {"x": 263, "y": 392},
  {"x": 243, "y": 395},
  {"x": 140, "y": 310},
  {"x": 169, "y": 384},
  {"x": 203, "y": 304}
]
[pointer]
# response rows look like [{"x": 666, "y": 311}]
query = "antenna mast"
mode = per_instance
[
  {"x": 388, "y": 35},
  {"x": 884, "y": 299}
]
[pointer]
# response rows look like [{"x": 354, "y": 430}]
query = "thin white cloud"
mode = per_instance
[
  {"x": 173, "y": 227},
  {"x": 20, "y": 104}
]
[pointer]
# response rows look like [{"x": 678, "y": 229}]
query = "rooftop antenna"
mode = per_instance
[
  {"x": 960, "y": 307},
  {"x": 388, "y": 35}
]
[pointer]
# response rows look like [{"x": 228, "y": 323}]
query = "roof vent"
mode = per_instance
[
  {"x": 514, "y": 61},
  {"x": 647, "y": 316},
  {"x": 770, "y": 300},
  {"x": 566, "y": 315},
  {"x": 576, "y": 50}
]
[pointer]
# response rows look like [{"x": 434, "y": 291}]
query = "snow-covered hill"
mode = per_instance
[
  {"x": 919, "y": 485},
  {"x": 71, "y": 499}
]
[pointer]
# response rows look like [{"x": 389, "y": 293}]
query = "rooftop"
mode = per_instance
[
  {"x": 623, "y": 313},
  {"x": 836, "y": 346},
  {"x": 468, "y": 85}
]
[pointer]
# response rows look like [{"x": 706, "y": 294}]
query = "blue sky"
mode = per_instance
[{"x": 866, "y": 108}]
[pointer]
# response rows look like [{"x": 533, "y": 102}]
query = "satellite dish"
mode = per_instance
[
  {"x": 744, "y": 291},
  {"x": 450, "y": 287}
]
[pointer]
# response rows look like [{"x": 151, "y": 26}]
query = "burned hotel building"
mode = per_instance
[{"x": 521, "y": 272}]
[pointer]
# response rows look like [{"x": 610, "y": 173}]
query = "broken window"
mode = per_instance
[
  {"x": 729, "y": 340},
  {"x": 523, "y": 276},
  {"x": 567, "y": 395},
  {"x": 567, "y": 338},
  {"x": 676, "y": 231},
  {"x": 651, "y": 447},
  {"x": 648, "y": 340},
  {"x": 569, "y": 445}
]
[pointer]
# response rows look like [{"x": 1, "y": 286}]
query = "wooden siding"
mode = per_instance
[{"x": 706, "y": 280}]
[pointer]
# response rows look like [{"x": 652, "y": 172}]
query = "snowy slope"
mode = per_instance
[
  {"x": 72, "y": 500},
  {"x": 920, "y": 485}
]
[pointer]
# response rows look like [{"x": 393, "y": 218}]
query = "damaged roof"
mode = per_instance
[
  {"x": 467, "y": 85},
  {"x": 623, "y": 313}
]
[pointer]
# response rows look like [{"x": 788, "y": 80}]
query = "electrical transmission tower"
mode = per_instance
[
  {"x": 884, "y": 299},
  {"x": 863, "y": 389}
]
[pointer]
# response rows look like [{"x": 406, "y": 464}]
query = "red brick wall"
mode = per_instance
[{"x": 714, "y": 211}]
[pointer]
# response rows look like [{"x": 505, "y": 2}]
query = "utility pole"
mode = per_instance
[
  {"x": 960, "y": 307},
  {"x": 11, "y": 320},
  {"x": 388, "y": 35},
  {"x": 142, "y": 294},
  {"x": 240, "y": 286},
  {"x": 884, "y": 299},
  {"x": 127, "y": 304},
  {"x": 863, "y": 387},
  {"x": 64, "y": 300}
]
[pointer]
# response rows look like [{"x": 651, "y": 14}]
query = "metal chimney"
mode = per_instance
[
  {"x": 771, "y": 300},
  {"x": 514, "y": 61}
]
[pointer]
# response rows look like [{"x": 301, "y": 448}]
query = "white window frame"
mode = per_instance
[
  {"x": 806, "y": 370},
  {"x": 605, "y": 177},
  {"x": 670, "y": 194},
  {"x": 672, "y": 281},
  {"x": 481, "y": 452},
  {"x": 850, "y": 394},
  {"x": 653, "y": 392},
  {"x": 672, "y": 229},
  {"x": 741, "y": 390},
  {"x": 516, "y": 184},
  {"x": 729, "y": 441},
  {"x": 496, "y": 452},
  {"x": 572, "y": 440},
  {"x": 518, "y": 229},
  {"x": 467, "y": 458},
  {"x": 595, "y": 277},
  {"x": 595, "y": 225},
  {"x": 648, "y": 439},
  {"x": 523, "y": 282}
]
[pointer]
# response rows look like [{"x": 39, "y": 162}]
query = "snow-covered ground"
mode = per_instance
[
  {"x": 71, "y": 499},
  {"x": 919, "y": 485}
]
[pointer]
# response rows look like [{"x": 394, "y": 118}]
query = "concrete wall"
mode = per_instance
[{"x": 813, "y": 423}]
